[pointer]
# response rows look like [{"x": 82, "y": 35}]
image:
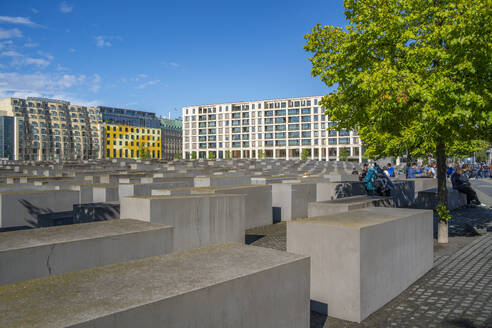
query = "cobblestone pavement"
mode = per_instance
[{"x": 457, "y": 292}]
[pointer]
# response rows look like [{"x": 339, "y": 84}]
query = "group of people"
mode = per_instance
[
  {"x": 476, "y": 170},
  {"x": 429, "y": 171},
  {"x": 377, "y": 180}
]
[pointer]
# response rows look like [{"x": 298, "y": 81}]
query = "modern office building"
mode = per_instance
[
  {"x": 172, "y": 137},
  {"x": 129, "y": 117},
  {"x": 124, "y": 141},
  {"x": 277, "y": 128},
  {"x": 50, "y": 129},
  {"x": 131, "y": 133}
]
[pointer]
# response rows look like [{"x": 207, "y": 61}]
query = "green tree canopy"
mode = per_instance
[{"x": 409, "y": 75}]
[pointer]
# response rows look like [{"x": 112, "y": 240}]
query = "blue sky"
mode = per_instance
[{"x": 159, "y": 55}]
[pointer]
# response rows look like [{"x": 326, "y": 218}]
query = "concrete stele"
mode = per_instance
[{"x": 229, "y": 285}]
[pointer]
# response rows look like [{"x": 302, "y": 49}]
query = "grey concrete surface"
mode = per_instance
[
  {"x": 106, "y": 192},
  {"x": 335, "y": 190},
  {"x": 293, "y": 199},
  {"x": 427, "y": 199},
  {"x": 348, "y": 204},
  {"x": 362, "y": 259},
  {"x": 258, "y": 206},
  {"x": 218, "y": 181},
  {"x": 37, "y": 253},
  {"x": 198, "y": 221},
  {"x": 227, "y": 285},
  {"x": 22, "y": 208}
]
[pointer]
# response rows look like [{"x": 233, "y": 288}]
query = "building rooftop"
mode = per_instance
[{"x": 168, "y": 123}]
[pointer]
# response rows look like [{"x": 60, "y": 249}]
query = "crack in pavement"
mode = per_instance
[{"x": 48, "y": 259}]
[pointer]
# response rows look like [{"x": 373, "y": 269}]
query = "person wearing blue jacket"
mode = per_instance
[
  {"x": 391, "y": 170},
  {"x": 412, "y": 171}
]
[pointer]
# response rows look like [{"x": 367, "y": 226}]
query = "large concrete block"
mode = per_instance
[
  {"x": 427, "y": 199},
  {"x": 403, "y": 192},
  {"x": 293, "y": 199},
  {"x": 145, "y": 189},
  {"x": 269, "y": 180},
  {"x": 217, "y": 181},
  {"x": 424, "y": 184},
  {"x": 197, "y": 220},
  {"x": 171, "y": 192},
  {"x": 347, "y": 204},
  {"x": 227, "y": 285},
  {"x": 85, "y": 192},
  {"x": 362, "y": 259},
  {"x": 83, "y": 213},
  {"x": 335, "y": 190},
  {"x": 258, "y": 202},
  {"x": 22, "y": 208},
  {"x": 105, "y": 193},
  {"x": 36, "y": 253}
]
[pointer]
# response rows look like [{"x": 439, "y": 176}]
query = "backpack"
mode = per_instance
[{"x": 379, "y": 179}]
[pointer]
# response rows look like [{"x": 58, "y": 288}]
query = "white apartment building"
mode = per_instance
[{"x": 277, "y": 128}]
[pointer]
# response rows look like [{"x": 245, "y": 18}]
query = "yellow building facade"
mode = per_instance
[{"x": 123, "y": 141}]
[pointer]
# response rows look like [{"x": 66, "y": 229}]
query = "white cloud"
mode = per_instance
[
  {"x": 65, "y": 7},
  {"x": 45, "y": 54},
  {"x": 36, "y": 83},
  {"x": 9, "y": 34},
  {"x": 34, "y": 10},
  {"x": 56, "y": 86},
  {"x": 72, "y": 50},
  {"x": 19, "y": 59},
  {"x": 142, "y": 76},
  {"x": 31, "y": 44},
  {"x": 11, "y": 53},
  {"x": 95, "y": 83},
  {"x": 147, "y": 84},
  {"x": 171, "y": 64},
  {"x": 36, "y": 61},
  {"x": 101, "y": 42},
  {"x": 18, "y": 20}
]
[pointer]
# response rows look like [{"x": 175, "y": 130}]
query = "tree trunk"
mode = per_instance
[
  {"x": 407, "y": 165},
  {"x": 442, "y": 191}
]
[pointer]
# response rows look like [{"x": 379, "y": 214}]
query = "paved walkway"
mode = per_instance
[{"x": 457, "y": 292}]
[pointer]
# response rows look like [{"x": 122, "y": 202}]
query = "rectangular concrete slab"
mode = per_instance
[
  {"x": 198, "y": 221},
  {"x": 427, "y": 199},
  {"x": 360, "y": 260},
  {"x": 347, "y": 204},
  {"x": 211, "y": 181},
  {"x": 36, "y": 253},
  {"x": 227, "y": 285},
  {"x": 335, "y": 190},
  {"x": 258, "y": 202},
  {"x": 22, "y": 208},
  {"x": 293, "y": 199}
]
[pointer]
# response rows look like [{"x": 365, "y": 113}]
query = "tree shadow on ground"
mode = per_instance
[
  {"x": 460, "y": 323},
  {"x": 466, "y": 222}
]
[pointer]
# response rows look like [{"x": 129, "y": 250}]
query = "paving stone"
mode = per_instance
[{"x": 457, "y": 292}]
